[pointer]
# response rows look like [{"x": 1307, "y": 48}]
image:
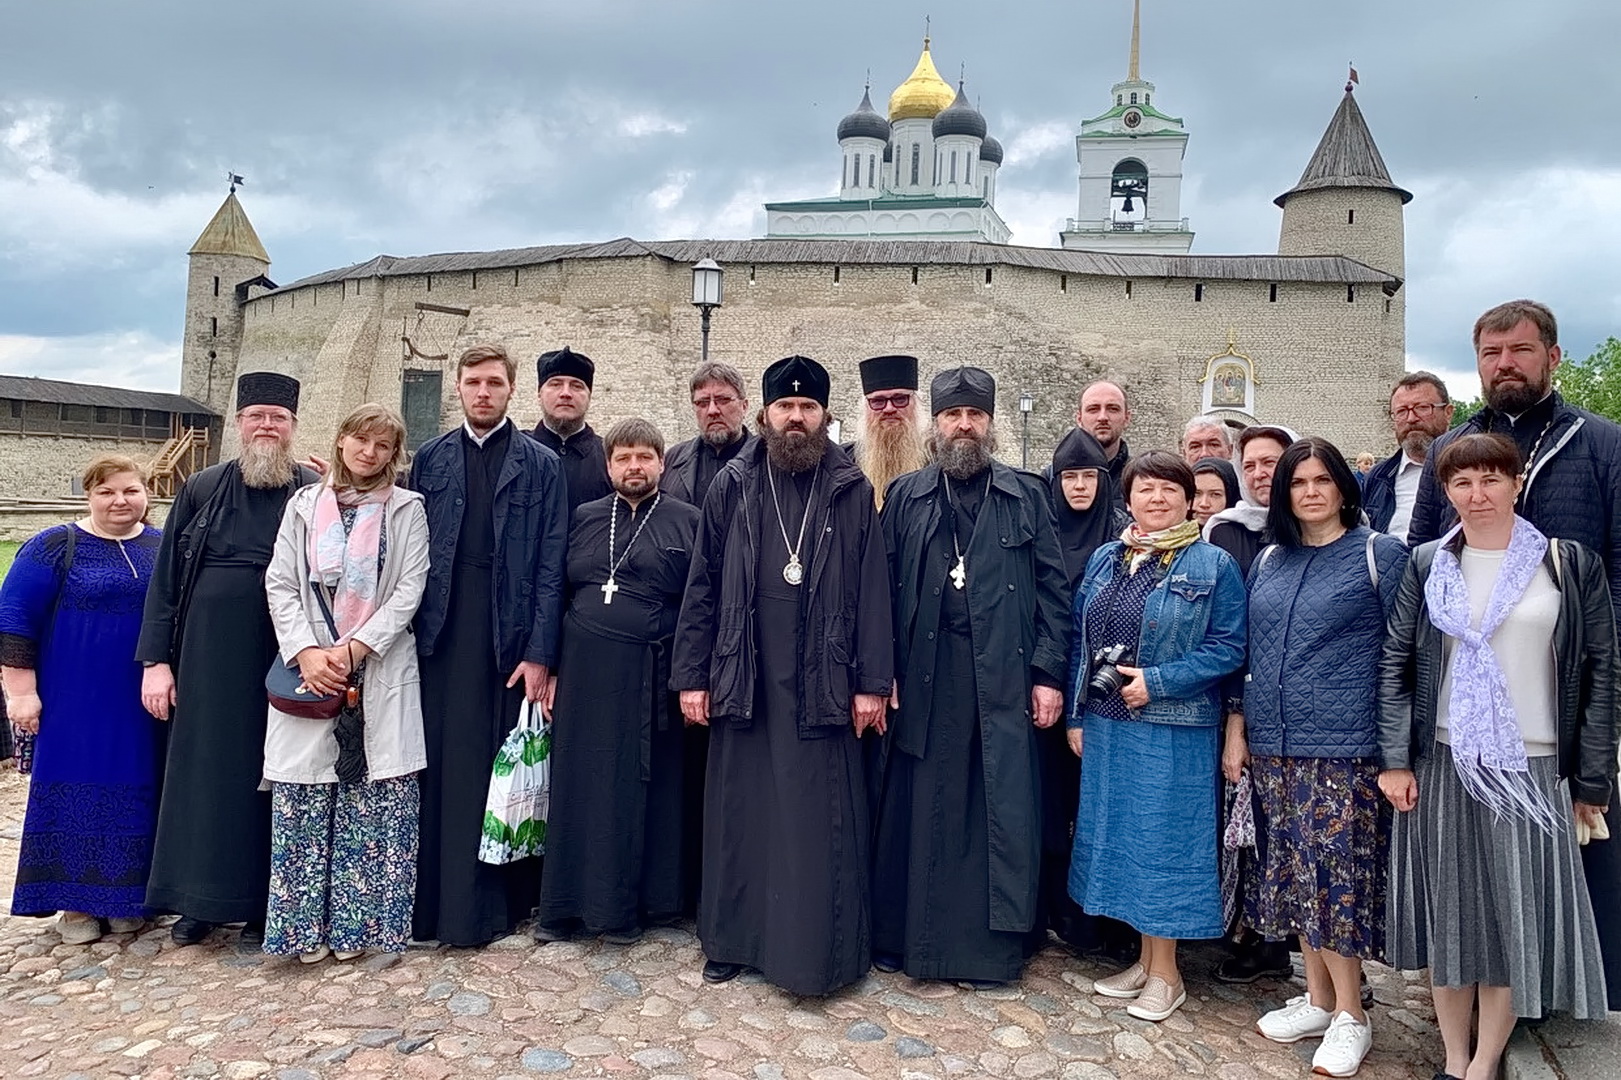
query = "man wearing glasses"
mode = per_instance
[
  {"x": 718, "y": 406},
  {"x": 206, "y": 640},
  {"x": 1420, "y": 411},
  {"x": 890, "y": 438}
]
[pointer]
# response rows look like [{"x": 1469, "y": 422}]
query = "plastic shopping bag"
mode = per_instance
[{"x": 520, "y": 792}]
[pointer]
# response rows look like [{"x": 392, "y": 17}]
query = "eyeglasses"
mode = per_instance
[
  {"x": 719, "y": 401},
  {"x": 881, "y": 402},
  {"x": 267, "y": 419},
  {"x": 1417, "y": 412}
]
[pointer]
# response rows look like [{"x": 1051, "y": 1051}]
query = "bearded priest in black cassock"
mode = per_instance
[
  {"x": 613, "y": 836},
  {"x": 982, "y": 632},
  {"x": 783, "y": 648}
]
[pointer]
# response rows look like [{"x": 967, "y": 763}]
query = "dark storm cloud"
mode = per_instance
[{"x": 408, "y": 127}]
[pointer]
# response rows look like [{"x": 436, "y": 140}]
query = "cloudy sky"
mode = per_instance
[{"x": 408, "y": 127}]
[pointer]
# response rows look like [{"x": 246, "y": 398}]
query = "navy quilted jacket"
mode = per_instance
[
  {"x": 1316, "y": 631},
  {"x": 1573, "y": 491}
]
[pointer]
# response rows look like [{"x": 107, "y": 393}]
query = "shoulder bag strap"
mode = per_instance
[{"x": 1373, "y": 563}]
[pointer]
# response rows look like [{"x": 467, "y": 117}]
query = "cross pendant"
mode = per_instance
[
  {"x": 959, "y": 574},
  {"x": 611, "y": 586}
]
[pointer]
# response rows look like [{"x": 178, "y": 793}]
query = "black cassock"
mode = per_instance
[
  {"x": 614, "y": 836},
  {"x": 467, "y": 711},
  {"x": 786, "y": 824},
  {"x": 211, "y": 856}
]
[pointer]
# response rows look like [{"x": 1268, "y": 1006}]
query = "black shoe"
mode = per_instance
[
  {"x": 253, "y": 935},
  {"x": 547, "y": 933},
  {"x": 1268, "y": 960},
  {"x": 887, "y": 962},
  {"x": 717, "y": 972},
  {"x": 628, "y": 935},
  {"x": 189, "y": 931}
]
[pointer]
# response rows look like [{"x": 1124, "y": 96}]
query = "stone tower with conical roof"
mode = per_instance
[
  {"x": 1346, "y": 203},
  {"x": 228, "y": 254}
]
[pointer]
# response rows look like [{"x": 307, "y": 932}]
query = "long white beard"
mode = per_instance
[{"x": 266, "y": 465}]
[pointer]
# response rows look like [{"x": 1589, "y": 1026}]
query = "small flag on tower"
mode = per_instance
[{"x": 1354, "y": 76}]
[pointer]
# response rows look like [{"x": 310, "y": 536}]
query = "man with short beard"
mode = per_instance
[
  {"x": 889, "y": 438},
  {"x": 1421, "y": 412},
  {"x": 614, "y": 832},
  {"x": 719, "y": 404},
  {"x": 1572, "y": 491},
  {"x": 982, "y": 628},
  {"x": 206, "y": 642},
  {"x": 566, "y": 378},
  {"x": 783, "y": 648}
]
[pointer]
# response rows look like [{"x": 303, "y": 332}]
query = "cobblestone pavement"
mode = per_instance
[{"x": 136, "y": 1005}]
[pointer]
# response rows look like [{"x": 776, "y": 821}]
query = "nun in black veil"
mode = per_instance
[{"x": 1088, "y": 516}]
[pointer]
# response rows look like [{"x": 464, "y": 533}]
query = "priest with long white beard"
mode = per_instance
[{"x": 890, "y": 436}]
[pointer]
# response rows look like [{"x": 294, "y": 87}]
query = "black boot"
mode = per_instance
[
  {"x": 1256, "y": 959},
  {"x": 189, "y": 931}
]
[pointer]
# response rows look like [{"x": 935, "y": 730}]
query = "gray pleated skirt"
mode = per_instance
[{"x": 1497, "y": 902}]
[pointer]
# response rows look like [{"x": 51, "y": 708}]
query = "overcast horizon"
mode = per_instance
[{"x": 408, "y": 128}]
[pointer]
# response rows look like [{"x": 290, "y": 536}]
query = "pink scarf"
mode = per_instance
[{"x": 344, "y": 561}]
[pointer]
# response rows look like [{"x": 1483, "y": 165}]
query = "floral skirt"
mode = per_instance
[
  {"x": 1322, "y": 837},
  {"x": 342, "y": 865}
]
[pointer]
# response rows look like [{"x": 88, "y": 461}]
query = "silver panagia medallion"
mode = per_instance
[{"x": 793, "y": 573}]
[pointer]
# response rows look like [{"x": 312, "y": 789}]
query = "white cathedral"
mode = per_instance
[{"x": 928, "y": 171}]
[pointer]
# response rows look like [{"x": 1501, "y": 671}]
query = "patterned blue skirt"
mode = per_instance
[{"x": 1145, "y": 838}]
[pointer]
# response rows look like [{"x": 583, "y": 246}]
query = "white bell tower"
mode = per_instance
[{"x": 1131, "y": 171}]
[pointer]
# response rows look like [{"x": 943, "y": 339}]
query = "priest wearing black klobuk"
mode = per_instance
[
  {"x": 982, "y": 639},
  {"x": 783, "y": 648},
  {"x": 614, "y": 832},
  {"x": 566, "y": 380},
  {"x": 487, "y": 634},
  {"x": 207, "y": 641}
]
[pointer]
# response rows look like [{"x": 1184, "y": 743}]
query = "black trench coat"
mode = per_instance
[{"x": 1019, "y": 614}]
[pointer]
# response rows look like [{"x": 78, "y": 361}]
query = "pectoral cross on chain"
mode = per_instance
[
  {"x": 959, "y": 573},
  {"x": 611, "y": 586}
]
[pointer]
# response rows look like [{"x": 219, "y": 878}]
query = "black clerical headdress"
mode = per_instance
[
  {"x": 888, "y": 373},
  {"x": 796, "y": 376},
  {"x": 566, "y": 361},
  {"x": 267, "y": 388},
  {"x": 970, "y": 386}
]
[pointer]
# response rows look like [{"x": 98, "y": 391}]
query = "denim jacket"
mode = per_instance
[{"x": 1194, "y": 630}]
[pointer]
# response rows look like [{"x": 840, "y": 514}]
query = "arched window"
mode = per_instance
[
  {"x": 872, "y": 170},
  {"x": 1134, "y": 97},
  {"x": 1119, "y": 99},
  {"x": 917, "y": 159},
  {"x": 856, "y": 161},
  {"x": 954, "y": 166}
]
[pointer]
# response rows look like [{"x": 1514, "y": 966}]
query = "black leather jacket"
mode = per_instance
[{"x": 1584, "y": 646}]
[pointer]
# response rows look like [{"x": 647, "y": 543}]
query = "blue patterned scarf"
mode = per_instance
[{"x": 1488, "y": 750}]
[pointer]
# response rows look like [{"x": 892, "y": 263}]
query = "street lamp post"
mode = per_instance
[
  {"x": 1026, "y": 404},
  {"x": 706, "y": 291}
]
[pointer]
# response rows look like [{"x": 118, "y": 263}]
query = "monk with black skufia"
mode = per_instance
[
  {"x": 614, "y": 836},
  {"x": 982, "y": 636},
  {"x": 783, "y": 648}
]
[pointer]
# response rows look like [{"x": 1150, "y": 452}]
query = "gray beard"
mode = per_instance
[
  {"x": 962, "y": 459},
  {"x": 795, "y": 455},
  {"x": 1417, "y": 445},
  {"x": 266, "y": 466},
  {"x": 719, "y": 439},
  {"x": 563, "y": 429}
]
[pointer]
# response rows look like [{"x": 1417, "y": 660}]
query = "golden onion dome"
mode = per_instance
[{"x": 924, "y": 93}]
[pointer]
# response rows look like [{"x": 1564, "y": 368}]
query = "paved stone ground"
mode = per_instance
[{"x": 137, "y": 1006}]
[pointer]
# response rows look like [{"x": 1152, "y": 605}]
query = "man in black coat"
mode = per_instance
[
  {"x": 1421, "y": 412},
  {"x": 719, "y": 404},
  {"x": 565, "y": 396},
  {"x": 1572, "y": 492},
  {"x": 982, "y": 635},
  {"x": 783, "y": 648}
]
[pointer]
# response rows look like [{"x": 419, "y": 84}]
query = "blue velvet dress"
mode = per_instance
[{"x": 98, "y": 762}]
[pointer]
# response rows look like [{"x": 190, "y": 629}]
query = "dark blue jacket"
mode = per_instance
[
  {"x": 1316, "y": 632},
  {"x": 1379, "y": 492},
  {"x": 531, "y": 528},
  {"x": 1573, "y": 491}
]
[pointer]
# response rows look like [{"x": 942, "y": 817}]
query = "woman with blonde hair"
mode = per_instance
[
  {"x": 70, "y": 611},
  {"x": 344, "y": 582}
]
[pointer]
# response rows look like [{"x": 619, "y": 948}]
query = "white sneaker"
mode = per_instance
[
  {"x": 1345, "y": 1044},
  {"x": 1298, "y": 1019}
]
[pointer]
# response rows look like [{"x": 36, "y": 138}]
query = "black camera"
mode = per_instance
[{"x": 1106, "y": 678}]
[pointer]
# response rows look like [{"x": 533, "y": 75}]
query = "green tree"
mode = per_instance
[
  {"x": 1593, "y": 384},
  {"x": 1462, "y": 411}
]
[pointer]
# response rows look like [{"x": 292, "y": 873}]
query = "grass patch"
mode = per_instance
[{"x": 8, "y": 552}]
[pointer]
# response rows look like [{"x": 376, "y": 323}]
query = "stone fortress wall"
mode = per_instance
[{"x": 1324, "y": 353}]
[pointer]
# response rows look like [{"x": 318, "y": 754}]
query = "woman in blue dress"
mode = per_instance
[
  {"x": 70, "y": 610},
  {"x": 1159, "y": 619}
]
